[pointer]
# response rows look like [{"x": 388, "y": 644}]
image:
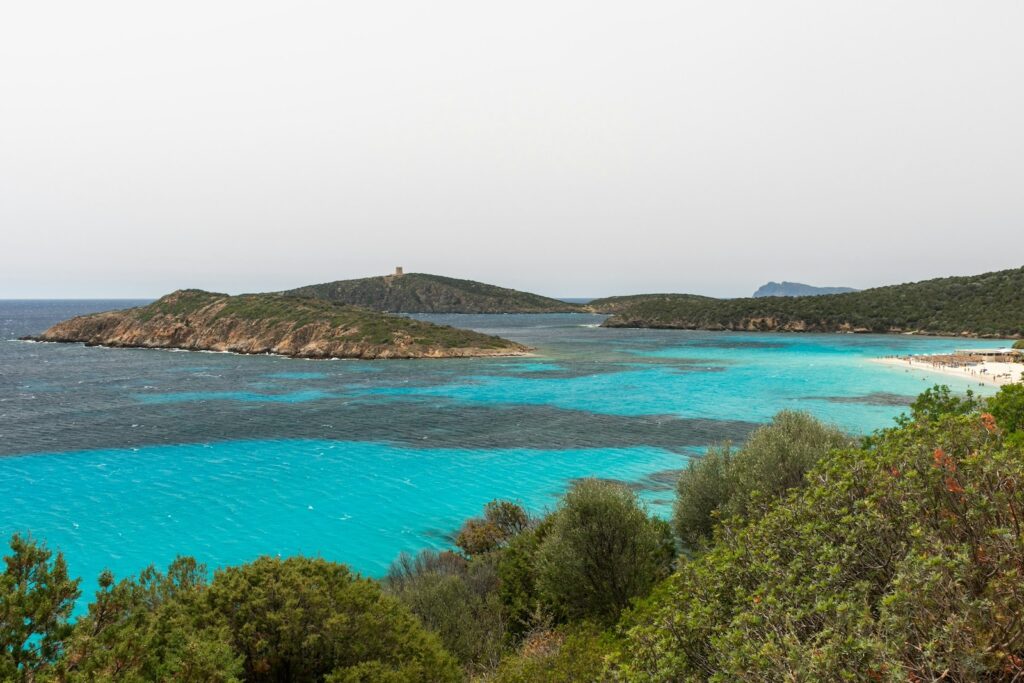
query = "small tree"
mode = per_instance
[
  {"x": 602, "y": 551},
  {"x": 36, "y": 599},
  {"x": 502, "y": 520}
]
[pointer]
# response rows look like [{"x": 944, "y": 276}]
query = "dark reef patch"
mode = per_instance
[
  {"x": 428, "y": 422},
  {"x": 877, "y": 398}
]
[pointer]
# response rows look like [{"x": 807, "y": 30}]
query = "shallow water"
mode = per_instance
[{"x": 123, "y": 457}]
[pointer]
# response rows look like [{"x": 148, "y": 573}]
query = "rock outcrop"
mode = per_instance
[{"x": 274, "y": 324}]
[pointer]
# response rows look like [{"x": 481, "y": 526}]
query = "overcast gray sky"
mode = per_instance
[{"x": 568, "y": 148}]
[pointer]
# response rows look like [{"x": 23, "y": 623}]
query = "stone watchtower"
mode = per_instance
[{"x": 398, "y": 271}]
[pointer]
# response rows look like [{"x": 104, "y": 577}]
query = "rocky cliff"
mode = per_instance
[{"x": 271, "y": 323}]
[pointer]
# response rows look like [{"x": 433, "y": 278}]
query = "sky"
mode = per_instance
[{"x": 567, "y": 148}]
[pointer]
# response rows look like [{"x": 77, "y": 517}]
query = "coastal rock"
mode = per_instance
[{"x": 274, "y": 324}]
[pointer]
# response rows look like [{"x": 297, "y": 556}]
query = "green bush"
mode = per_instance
[
  {"x": 517, "y": 581},
  {"x": 457, "y": 600},
  {"x": 601, "y": 551},
  {"x": 301, "y": 619},
  {"x": 1019, "y": 344},
  {"x": 569, "y": 655},
  {"x": 152, "y": 628},
  {"x": 501, "y": 521},
  {"x": 899, "y": 561},
  {"x": 1007, "y": 408},
  {"x": 727, "y": 482}
]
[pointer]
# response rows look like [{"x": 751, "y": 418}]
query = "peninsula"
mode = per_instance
[
  {"x": 987, "y": 305},
  {"x": 424, "y": 293},
  {"x": 196, "y": 320}
]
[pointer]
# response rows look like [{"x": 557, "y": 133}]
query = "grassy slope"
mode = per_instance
[
  {"x": 989, "y": 304},
  {"x": 360, "y": 325},
  {"x": 424, "y": 293}
]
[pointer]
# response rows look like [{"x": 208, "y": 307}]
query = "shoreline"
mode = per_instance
[
  {"x": 476, "y": 353},
  {"x": 984, "y": 372}
]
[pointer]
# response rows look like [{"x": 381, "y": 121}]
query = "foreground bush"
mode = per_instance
[
  {"x": 151, "y": 628},
  {"x": 900, "y": 561},
  {"x": 301, "y": 619},
  {"x": 601, "y": 551},
  {"x": 456, "y": 599},
  {"x": 568, "y": 655},
  {"x": 727, "y": 481},
  {"x": 298, "y": 619}
]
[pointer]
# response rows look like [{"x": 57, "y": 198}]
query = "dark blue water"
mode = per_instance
[{"x": 123, "y": 457}]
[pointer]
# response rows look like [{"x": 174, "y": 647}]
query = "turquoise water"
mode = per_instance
[{"x": 127, "y": 457}]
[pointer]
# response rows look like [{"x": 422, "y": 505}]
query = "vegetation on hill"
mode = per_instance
[
  {"x": 274, "y": 323},
  {"x": 424, "y": 293},
  {"x": 991, "y": 304},
  {"x": 898, "y": 558},
  {"x": 618, "y": 304}
]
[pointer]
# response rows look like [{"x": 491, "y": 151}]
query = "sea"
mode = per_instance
[{"x": 122, "y": 458}]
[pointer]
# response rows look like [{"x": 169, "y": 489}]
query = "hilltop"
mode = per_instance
[
  {"x": 798, "y": 289},
  {"x": 273, "y": 323},
  {"x": 425, "y": 293},
  {"x": 987, "y": 305}
]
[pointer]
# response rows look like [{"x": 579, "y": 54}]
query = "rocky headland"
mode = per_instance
[{"x": 196, "y": 320}]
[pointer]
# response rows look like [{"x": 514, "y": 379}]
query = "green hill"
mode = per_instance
[
  {"x": 195, "y": 320},
  {"x": 424, "y": 293},
  {"x": 987, "y": 305}
]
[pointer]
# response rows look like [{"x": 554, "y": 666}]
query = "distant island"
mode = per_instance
[
  {"x": 424, "y": 293},
  {"x": 195, "y": 320},
  {"x": 987, "y": 305},
  {"x": 798, "y": 289}
]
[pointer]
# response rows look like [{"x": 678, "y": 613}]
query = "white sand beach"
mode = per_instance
[{"x": 983, "y": 372}]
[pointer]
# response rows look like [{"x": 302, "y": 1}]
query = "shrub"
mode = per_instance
[
  {"x": 501, "y": 521},
  {"x": 1019, "y": 344},
  {"x": 601, "y": 551},
  {"x": 703, "y": 488},
  {"x": 302, "y": 619},
  {"x": 569, "y": 655},
  {"x": 457, "y": 600},
  {"x": 940, "y": 402},
  {"x": 1007, "y": 409},
  {"x": 727, "y": 482},
  {"x": 900, "y": 561},
  {"x": 152, "y": 628},
  {"x": 517, "y": 585}
]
